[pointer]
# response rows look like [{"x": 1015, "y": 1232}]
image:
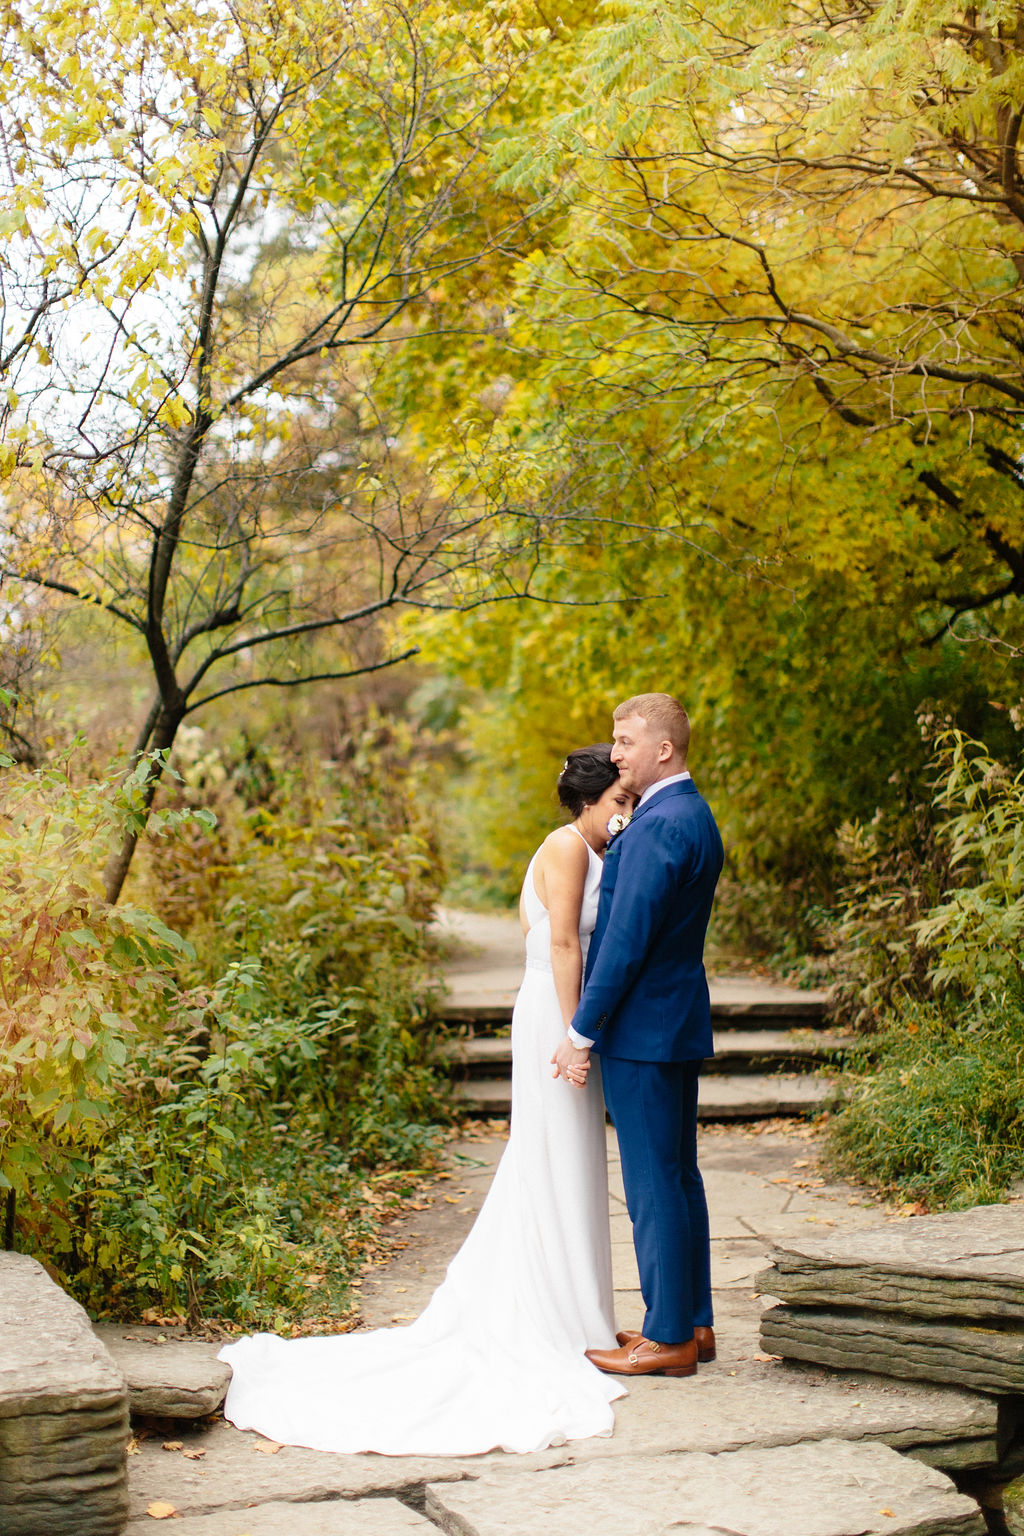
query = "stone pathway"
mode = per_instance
[{"x": 762, "y": 1188}]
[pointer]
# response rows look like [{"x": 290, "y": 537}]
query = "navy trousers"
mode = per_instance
[{"x": 653, "y": 1106}]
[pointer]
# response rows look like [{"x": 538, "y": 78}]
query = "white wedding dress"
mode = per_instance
[{"x": 497, "y": 1357}]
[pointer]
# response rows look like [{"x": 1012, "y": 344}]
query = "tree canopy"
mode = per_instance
[
  {"x": 763, "y": 381},
  {"x": 213, "y": 215},
  {"x": 701, "y": 326}
]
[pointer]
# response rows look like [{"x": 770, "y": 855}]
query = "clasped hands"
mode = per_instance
[{"x": 571, "y": 1062}]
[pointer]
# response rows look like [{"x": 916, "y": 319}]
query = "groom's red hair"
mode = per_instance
[{"x": 663, "y": 714}]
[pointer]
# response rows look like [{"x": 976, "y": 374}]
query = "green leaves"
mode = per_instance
[
  {"x": 189, "y": 1121},
  {"x": 73, "y": 971},
  {"x": 975, "y": 935}
]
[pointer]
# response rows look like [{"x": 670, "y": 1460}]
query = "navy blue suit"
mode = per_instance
[{"x": 645, "y": 1005}]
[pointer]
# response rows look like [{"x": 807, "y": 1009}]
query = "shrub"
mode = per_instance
[
  {"x": 927, "y": 946},
  {"x": 75, "y": 974},
  {"x": 214, "y": 1117},
  {"x": 935, "y": 1108}
]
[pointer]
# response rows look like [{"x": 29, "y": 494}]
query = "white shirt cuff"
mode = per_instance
[{"x": 580, "y": 1041}]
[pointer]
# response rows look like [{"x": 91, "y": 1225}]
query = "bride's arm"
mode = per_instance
[{"x": 564, "y": 863}]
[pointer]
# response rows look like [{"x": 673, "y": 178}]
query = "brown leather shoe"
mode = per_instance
[
  {"x": 645, "y": 1357},
  {"x": 705, "y": 1338}
]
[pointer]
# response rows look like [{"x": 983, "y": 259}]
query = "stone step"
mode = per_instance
[
  {"x": 984, "y": 1359},
  {"x": 966, "y": 1266},
  {"x": 333, "y": 1517},
  {"x": 483, "y": 1009},
  {"x": 169, "y": 1374},
  {"x": 63, "y": 1413},
  {"x": 736, "y": 1050},
  {"x": 826, "y": 1488},
  {"x": 741, "y": 1096}
]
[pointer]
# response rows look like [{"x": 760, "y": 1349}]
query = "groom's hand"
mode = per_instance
[{"x": 571, "y": 1062}]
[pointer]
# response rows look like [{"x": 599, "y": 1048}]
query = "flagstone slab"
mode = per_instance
[
  {"x": 336, "y": 1517},
  {"x": 985, "y": 1359},
  {"x": 168, "y": 1375},
  {"x": 967, "y": 1264},
  {"x": 737, "y": 1402},
  {"x": 831, "y": 1488},
  {"x": 63, "y": 1413}
]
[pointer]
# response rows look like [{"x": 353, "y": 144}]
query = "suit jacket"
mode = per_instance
[{"x": 646, "y": 994}]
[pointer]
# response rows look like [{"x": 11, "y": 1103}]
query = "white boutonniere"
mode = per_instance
[{"x": 618, "y": 824}]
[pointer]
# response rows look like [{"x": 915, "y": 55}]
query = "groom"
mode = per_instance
[{"x": 645, "y": 1010}]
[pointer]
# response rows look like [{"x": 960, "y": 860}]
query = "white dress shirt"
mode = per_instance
[{"x": 652, "y": 789}]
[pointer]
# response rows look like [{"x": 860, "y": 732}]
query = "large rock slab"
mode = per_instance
[
  {"x": 63, "y": 1413},
  {"x": 967, "y": 1264},
  {"x": 983, "y": 1359},
  {"x": 760, "y": 1405},
  {"x": 168, "y": 1375},
  {"x": 831, "y": 1488},
  {"x": 366, "y": 1517}
]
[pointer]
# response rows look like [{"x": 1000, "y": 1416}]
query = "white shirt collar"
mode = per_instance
[{"x": 652, "y": 789}]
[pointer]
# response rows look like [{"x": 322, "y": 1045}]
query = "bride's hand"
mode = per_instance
[{"x": 572, "y": 1063}]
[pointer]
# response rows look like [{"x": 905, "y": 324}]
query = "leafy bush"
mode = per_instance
[
  {"x": 259, "y": 1081},
  {"x": 973, "y": 935},
  {"x": 896, "y": 870},
  {"x": 74, "y": 973},
  {"x": 928, "y": 948},
  {"x": 935, "y": 1109}
]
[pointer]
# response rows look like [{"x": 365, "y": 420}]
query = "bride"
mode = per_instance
[{"x": 497, "y": 1357}]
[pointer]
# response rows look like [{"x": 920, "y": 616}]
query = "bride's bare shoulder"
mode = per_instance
[{"x": 562, "y": 849}]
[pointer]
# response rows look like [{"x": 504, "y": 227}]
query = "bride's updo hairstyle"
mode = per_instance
[{"x": 586, "y": 774}]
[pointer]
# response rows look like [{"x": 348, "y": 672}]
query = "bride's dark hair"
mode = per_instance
[{"x": 586, "y": 774}]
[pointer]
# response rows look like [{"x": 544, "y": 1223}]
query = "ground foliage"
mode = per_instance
[
  {"x": 926, "y": 948},
  {"x": 210, "y": 1119}
]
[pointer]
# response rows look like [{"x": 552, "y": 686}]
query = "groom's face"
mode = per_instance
[{"x": 637, "y": 752}]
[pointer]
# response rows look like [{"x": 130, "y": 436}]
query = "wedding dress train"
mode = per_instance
[{"x": 497, "y": 1357}]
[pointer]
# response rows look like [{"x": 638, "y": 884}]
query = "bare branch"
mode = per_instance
[{"x": 300, "y": 682}]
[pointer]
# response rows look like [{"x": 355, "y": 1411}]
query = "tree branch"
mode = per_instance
[
  {"x": 299, "y": 682},
  {"x": 68, "y": 591}
]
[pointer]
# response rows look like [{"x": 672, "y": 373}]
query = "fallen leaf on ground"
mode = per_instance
[
  {"x": 890, "y": 1512},
  {"x": 171, "y": 1445},
  {"x": 765, "y": 1359},
  {"x": 160, "y": 1509},
  {"x": 267, "y": 1447},
  {"x": 133, "y": 1448},
  {"x": 193, "y": 1455}
]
